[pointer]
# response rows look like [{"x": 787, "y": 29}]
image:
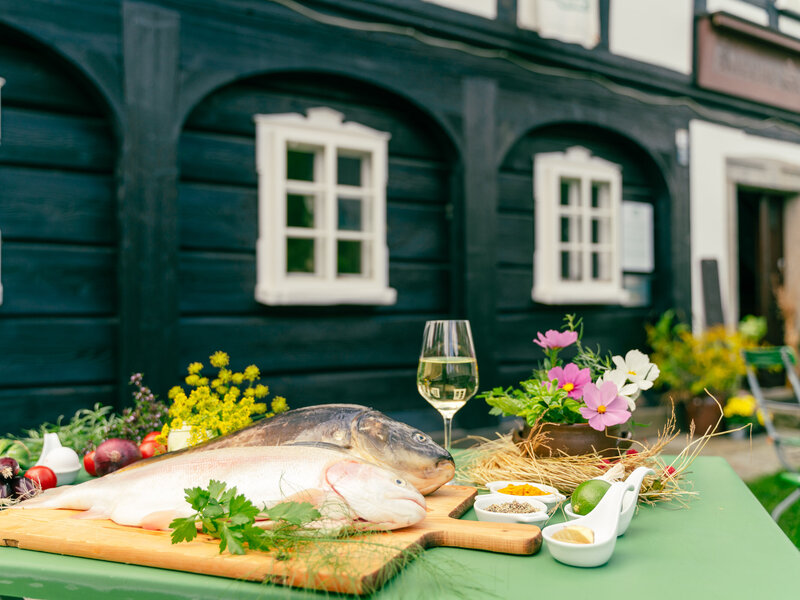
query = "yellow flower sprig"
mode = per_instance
[{"x": 220, "y": 405}]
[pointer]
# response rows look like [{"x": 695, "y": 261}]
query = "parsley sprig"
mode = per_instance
[{"x": 229, "y": 516}]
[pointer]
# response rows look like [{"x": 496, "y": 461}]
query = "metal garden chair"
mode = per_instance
[{"x": 785, "y": 443}]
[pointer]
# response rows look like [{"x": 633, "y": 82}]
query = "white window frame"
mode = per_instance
[
  {"x": 325, "y": 130},
  {"x": 550, "y": 168}
]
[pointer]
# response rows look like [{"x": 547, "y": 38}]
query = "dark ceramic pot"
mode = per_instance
[
  {"x": 705, "y": 413},
  {"x": 555, "y": 439}
]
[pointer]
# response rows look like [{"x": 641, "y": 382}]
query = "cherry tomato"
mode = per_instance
[
  {"x": 151, "y": 448},
  {"x": 42, "y": 475},
  {"x": 151, "y": 436},
  {"x": 88, "y": 464}
]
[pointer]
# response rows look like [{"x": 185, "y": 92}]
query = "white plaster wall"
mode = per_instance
[
  {"x": 571, "y": 21},
  {"x": 653, "y": 31},
  {"x": 740, "y": 9},
  {"x": 713, "y": 205},
  {"x": 482, "y": 8},
  {"x": 789, "y": 26}
]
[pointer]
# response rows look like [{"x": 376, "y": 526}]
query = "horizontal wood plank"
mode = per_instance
[
  {"x": 515, "y": 239},
  {"x": 225, "y": 284},
  {"x": 48, "y": 205},
  {"x": 32, "y": 138},
  {"x": 300, "y": 341},
  {"x": 614, "y": 329},
  {"x": 50, "y": 279},
  {"x": 231, "y": 109},
  {"x": 30, "y": 407},
  {"x": 230, "y": 160},
  {"x": 57, "y": 351},
  {"x": 35, "y": 79},
  {"x": 216, "y": 217}
]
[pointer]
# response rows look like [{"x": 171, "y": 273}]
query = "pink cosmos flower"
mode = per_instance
[
  {"x": 604, "y": 407},
  {"x": 571, "y": 379},
  {"x": 556, "y": 339}
]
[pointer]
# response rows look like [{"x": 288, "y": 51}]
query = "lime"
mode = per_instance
[
  {"x": 587, "y": 495},
  {"x": 575, "y": 534}
]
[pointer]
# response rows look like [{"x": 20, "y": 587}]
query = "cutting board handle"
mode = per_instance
[{"x": 508, "y": 538}]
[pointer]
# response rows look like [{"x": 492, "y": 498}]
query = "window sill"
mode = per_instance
[
  {"x": 580, "y": 296},
  {"x": 322, "y": 295}
]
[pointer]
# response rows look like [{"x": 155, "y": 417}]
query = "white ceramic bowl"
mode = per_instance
[
  {"x": 66, "y": 477},
  {"x": 550, "y": 499},
  {"x": 535, "y": 518}
]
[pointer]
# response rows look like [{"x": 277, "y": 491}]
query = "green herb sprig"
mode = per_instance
[{"x": 229, "y": 516}]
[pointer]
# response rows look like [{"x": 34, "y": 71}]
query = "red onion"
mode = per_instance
[
  {"x": 8, "y": 468},
  {"x": 114, "y": 454}
]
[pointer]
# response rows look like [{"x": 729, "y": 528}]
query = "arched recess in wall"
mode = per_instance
[
  {"x": 58, "y": 223},
  {"x": 613, "y": 326},
  {"x": 311, "y": 354}
]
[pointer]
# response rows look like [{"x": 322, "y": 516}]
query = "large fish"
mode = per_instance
[
  {"x": 347, "y": 491},
  {"x": 359, "y": 430}
]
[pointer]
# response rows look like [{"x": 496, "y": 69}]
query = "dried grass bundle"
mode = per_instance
[{"x": 505, "y": 459}]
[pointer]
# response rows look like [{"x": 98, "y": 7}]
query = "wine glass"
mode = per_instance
[{"x": 448, "y": 373}]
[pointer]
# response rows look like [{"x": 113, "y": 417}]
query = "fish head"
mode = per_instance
[
  {"x": 403, "y": 449},
  {"x": 381, "y": 498}
]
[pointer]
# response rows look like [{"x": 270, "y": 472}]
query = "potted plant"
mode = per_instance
[
  {"x": 575, "y": 407},
  {"x": 742, "y": 415},
  {"x": 699, "y": 368}
]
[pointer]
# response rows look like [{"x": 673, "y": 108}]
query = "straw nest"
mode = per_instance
[{"x": 504, "y": 459}]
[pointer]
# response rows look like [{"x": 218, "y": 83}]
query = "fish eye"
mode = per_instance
[
  {"x": 399, "y": 482},
  {"x": 420, "y": 437}
]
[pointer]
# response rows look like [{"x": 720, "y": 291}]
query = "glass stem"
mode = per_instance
[{"x": 448, "y": 431}]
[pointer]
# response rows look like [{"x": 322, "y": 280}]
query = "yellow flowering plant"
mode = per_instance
[
  {"x": 221, "y": 404},
  {"x": 742, "y": 409}
]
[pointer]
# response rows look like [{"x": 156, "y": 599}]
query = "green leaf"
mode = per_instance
[
  {"x": 183, "y": 530},
  {"x": 295, "y": 513},
  {"x": 232, "y": 540},
  {"x": 215, "y": 488}
]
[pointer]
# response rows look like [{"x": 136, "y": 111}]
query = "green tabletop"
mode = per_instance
[{"x": 724, "y": 545}]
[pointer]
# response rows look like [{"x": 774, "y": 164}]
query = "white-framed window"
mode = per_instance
[
  {"x": 322, "y": 211},
  {"x": 577, "y": 229}
]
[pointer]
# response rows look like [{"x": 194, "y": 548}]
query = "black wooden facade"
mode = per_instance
[{"x": 128, "y": 190}]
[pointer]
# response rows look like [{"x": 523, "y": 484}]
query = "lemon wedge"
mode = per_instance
[{"x": 575, "y": 534}]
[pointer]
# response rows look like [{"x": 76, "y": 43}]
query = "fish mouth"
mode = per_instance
[{"x": 432, "y": 478}]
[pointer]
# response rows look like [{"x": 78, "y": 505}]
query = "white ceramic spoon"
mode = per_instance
[
  {"x": 628, "y": 502},
  {"x": 603, "y": 521}
]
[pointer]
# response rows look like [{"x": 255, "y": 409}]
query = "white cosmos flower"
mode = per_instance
[
  {"x": 637, "y": 368},
  {"x": 628, "y": 391}
]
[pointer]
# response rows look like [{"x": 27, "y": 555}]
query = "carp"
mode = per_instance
[{"x": 358, "y": 430}]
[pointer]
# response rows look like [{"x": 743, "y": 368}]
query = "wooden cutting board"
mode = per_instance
[{"x": 354, "y": 565}]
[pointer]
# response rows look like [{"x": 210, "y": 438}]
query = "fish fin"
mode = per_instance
[
  {"x": 323, "y": 445},
  {"x": 159, "y": 519},
  {"x": 96, "y": 512}
]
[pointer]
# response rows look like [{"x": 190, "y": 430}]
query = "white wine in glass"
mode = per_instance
[{"x": 448, "y": 373}]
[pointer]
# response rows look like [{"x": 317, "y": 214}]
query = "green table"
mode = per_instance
[{"x": 724, "y": 545}]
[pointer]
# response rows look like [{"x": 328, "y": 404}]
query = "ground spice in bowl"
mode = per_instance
[
  {"x": 512, "y": 507},
  {"x": 524, "y": 489}
]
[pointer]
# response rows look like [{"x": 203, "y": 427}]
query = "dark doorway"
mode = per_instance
[{"x": 760, "y": 217}]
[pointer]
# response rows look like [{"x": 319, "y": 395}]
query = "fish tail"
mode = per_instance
[{"x": 52, "y": 498}]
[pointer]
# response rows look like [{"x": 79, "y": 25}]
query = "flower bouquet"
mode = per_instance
[
  {"x": 217, "y": 406},
  {"x": 593, "y": 391}
]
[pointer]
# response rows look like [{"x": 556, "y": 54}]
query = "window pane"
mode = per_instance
[
  {"x": 350, "y": 217},
  {"x": 601, "y": 231},
  {"x": 299, "y": 255},
  {"x": 349, "y": 170},
  {"x": 571, "y": 229},
  {"x": 601, "y": 262},
  {"x": 300, "y": 165},
  {"x": 570, "y": 266},
  {"x": 348, "y": 257},
  {"x": 299, "y": 210},
  {"x": 600, "y": 194},
  {"x": 570, "y": 192}
]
